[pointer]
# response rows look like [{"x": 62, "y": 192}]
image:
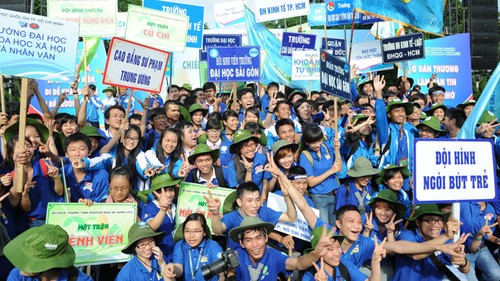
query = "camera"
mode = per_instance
[{"x": 228, "y": 260}]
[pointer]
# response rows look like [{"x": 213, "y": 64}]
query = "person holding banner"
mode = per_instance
[
  {"x": 43, "y": 254},
  {"x": 147, "y": 263},
  {"x": 194, "y": 248}
]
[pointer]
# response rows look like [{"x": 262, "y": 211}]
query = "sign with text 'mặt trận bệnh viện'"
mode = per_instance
[{"x": 97, "y": 233}]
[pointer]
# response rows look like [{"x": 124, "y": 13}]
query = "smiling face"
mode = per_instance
[
  {"x": 247, "y": 100},
  {"x": 144, "y": 248},
  {"x": 396, "y": 182},
  {"x": 383, "y": 211},
  {"x": 231, "y": 123},
  {"x": 300, "y": 185},
  {"x": 250, "y": 117},
  {"x": 315, "y": 146},
  {"x": 362, "y": 181},
  {"x": 116, "y": 117},
  {"x": 247, "y": 149},
  {"x": 350, "y": 225},
  {"x": 249, "y": 203},
  {"x": 438, "y": 113},
  {"x": 430, "y": 226},
  {"x": 193, "y": 233},
  {"x": 34, "y": 136},
  {"x": 286, "y": 132},
  {"x": 77, "y": 150},
  {"x": 285, "y": 158},
  {"x": 305, "y": 111},
  {"x": 397, "y": 115},
  {"x": 254, "y": 242},
  {"x": 69, "y": 128},
  {"x": 131, "y": 140},
  {"x": 169, "y": 142},
  {"x": 204, "y": 163},
  {"x": 283, "y": 111},
  {"x": 332, "y": 256}
]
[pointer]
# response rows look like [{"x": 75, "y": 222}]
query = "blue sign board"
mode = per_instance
[
  {"x": 336, "y": 47},
  {"x": 296, "y": 41},
  {"x": 195, "y": 14},
  {"x": 340, "y": 12},
  {"x": 317, "y": 15},
  {"x": 233, "y": 64},
  {"x": 403, "y": 48},
  {"x": 334, "y": 76},
  {"x": 218, "y": 40}
]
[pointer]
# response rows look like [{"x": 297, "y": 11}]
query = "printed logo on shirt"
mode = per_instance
[
  {"x": 488, "y": 216},
  {"x": 259, "y": 169},
  {"x": 355, "y": 250},
  {"x": 87, "y": 186},
  {"x": 223, "y": 149},
  {"x": 204, "y": 259}
]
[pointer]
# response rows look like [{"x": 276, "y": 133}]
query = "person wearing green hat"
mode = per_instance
[
  {"x": 388, "y": 214},
  {"x": 395, "y": 134},
  {"x": 357, "y": 190},
  {"x": 393, "y": 177},
  {"x": 487, "y": 125},
  {"x": 194, "y": 249},
  {"x": 95, "y": 139},
  {"x": 246, "y": 164},
  {"x": 427, "y": 227},
  {"x": 198, "y": 113},
  {"x": 35, "y": 131},
  {"x": 284, "y": 155},
  {"x": 43, "y": 254},
  {"x": 360, "y": 142},
  {"x": 467, "y": 106},
  {"x": 148, "y": 261},
  {"x": 110, "y": 98},
  {"x": 185, "y": 89},
  {"x": 205, "y": 172},
  {"x": 159, "y": 214},
  {"x": 366, "y": 88},
  {"x": 430, "y": 128},
  {"x": 257, "y": 259},
  {"x": 332, "y": 267},
  {"x": 437, "y": 110},
  {"x": 414, "y": 118}
]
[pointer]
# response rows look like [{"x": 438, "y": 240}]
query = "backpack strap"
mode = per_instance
[
  {"x": 344, "y": 272},
  {"x": 220, "y": 176},
  {"x": 151, "y": 141}
]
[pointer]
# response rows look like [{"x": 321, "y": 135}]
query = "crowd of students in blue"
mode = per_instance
[{"x": 352, "y": 163}]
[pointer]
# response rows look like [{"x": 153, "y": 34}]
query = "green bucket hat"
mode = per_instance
[
  {"x": 179, "y": 234},
  {"x": 239, "y": 137},
  {"x": 408, "y": 106},
  {"x": 433, "y": 123},
  {"x": 197, "y": 107},
  {"x": 249, "y": 223},
  {"x": 40, "y": 249},
  {"x": 360, "y": 86},
  {"x": 422, "y": 116},
  {"x": 435, "y": 106},
  {"x": 229, "y": 204},
  {"x": 13, "y": 130},
  {"x": 284, "y": 144},
  {"x": 138, "y": 231},
  {"x": 404, "y": 171},
  {"x": 187, "y": 86},
  {"x": 428, "y": 209},
  {"x": 467, "y": 103},
  {"x": 296, "y": 92},
  {"x": 362, "y": 167},
  {"x": 389, "y": 196},
  {"x": 91, "y": 132},
  {"x": 203, "y": 149},
  {"x": 316, "y": 235},
  {"x": 359, "y": 118},
  {"x": 487, "y": 117},
  {"x": 185, "y": 113},
  {"x": 162, "y": 180},
  {"x": 110, "y": 89}
]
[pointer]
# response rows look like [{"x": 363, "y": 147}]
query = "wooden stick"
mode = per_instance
[
  {"x": 350, "y": 40},
  {"x": 2, "y": 94},
  {"x": 19, "y": 173},
  {"x": 290, "y": 255},
  {"x": 336, "y": 120},
  {"x": 233, "y": 92},
  {"x": 85, "y": 64},
  {"x": 128, "y": 103},
  {"x": 4, "y": 196}
]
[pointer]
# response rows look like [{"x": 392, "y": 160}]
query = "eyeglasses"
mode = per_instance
[
  {"x": 145, "y": 244},
  {"x": 305, "y": 107},
  {"x": 433, "y": 221},
  {"x": 194, "y": 231},
  {"x": 160, "y": 117},
  {"x": 116, "y": 189},
  {"x": 131, "y": 139},
  {"x": 213, "y": 131},
  {"x": 250, "y": 144}
]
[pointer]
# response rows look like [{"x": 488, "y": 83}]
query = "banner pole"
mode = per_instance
[{"x": 350, "y": 40}]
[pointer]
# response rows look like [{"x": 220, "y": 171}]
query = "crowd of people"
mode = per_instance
[{"x": 350, "y": 160}]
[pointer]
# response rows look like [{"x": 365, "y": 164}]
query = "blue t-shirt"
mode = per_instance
[
  {"x": 473, "y": 219},
  {"x": 233, "y": 219},
  {"x": 259, "y": 161},
  {"x": 319, "y": 166},
  {"x": 354, "y": 273},
  {"x": 167, "y": 226},
  {"x": 93, "y": 186},
  {"x": 15, "y": 275},
  {"x": 189, "y": 258},
  {"x": 273, "y": 261},
  {"x": 349, "y": 198},
  {"x": 134, "y": 270}
]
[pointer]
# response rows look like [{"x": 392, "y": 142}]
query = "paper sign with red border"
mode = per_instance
[{"x": 135, "y": 66}]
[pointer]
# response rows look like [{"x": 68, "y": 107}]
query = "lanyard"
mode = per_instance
[{"x": 191, "y": 262}]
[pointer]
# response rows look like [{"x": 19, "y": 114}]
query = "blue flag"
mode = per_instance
[
  {"x": 276, "y": 68},
  {"x": 423, "y": 15},
  {"x": 489, "y": 96}
]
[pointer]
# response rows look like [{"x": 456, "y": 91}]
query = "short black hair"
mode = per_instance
[
  {"x": 248, "y": 186},
  {"x": 213, "y": 123},
  {"x": 116, "y": 106},
  {"x": 209, "y": 85},
  {"x": 229, "y": 113},
  {"x": 76, "y": 137},
  {"x": 344, "y": 209},
  {"x": 68, "y": 118},
  {"x": 283, "y": 122}
]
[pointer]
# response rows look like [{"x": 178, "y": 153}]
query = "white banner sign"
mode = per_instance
[
  {"x": 96, "y": 17},
  {"x": 454, "y": 170},
  {"x": 366, "y": 55},
  {"x": 305, "y": 65},
  {"x": 278, "y": 9},
  {"x": 229, "y": 13},
  {"x": 135, "y": 66},
  {"x": 151, "y": 27},
  {"x": 298, "y": 229}
]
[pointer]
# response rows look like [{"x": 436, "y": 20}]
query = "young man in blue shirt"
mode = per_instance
[
  {"x": 257, "y": 259},
  {"x": 85, "y": 187},
  {"x": 248, "y": 199}
]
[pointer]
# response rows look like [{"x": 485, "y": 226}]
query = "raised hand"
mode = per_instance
[
  {"x": 452, "y": 226},
  {"x": 460, "y": 261},
  {"x": 53, "y": 171},
  {"x": 185, "y": 167},
  {"x": 169, "y": 270},
  {"x": 288, "y": 242},
  {"x": 320, "y": 271},
  {"x": 391, "y": 225},
  {"x": 324, "y": 241},
  {"x": 486, "y": 229},
  {"x": 378, "y": 252},
  {"x": 78, "y": 164},
  {"x": 150, "y": 171},
  {"x": 379, "y": 82},
  {"x": 248, "y": 165},
  {"x": 271, "y": 166},
  {"x": 368, "y": 227},
  {"x": 164, "y": 201},
  {"x": 453, "y": 248},
  {"x": 213, "y": 204},
  {"x": 157, "y": 252},
  {"x": 6, "y": 180}
]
